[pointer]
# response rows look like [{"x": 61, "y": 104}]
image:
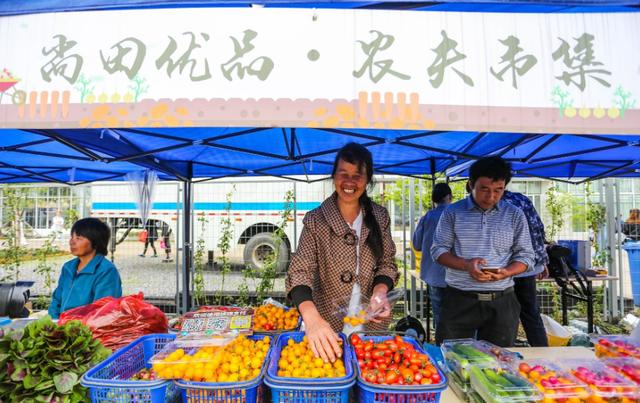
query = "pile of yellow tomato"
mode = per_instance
[
  {"x": 298, "y": 361},
  {"x": 238, "y": 361},
  {"x": 359, "y": 319},
  {"x": 270, "y": 317}
]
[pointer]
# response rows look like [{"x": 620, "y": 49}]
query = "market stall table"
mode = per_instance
[{"x": 550, "y": 353}]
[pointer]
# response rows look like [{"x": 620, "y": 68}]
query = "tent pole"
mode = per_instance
[
  {"x": 186, "y": 245},
  {"x": 606, "y": 298},
  {"x": 618, "y": 231},
  {"x": 610, "y": 242},
  {"x": 404, "y": 242},
  {"x": 177, "y": 250},
  {"x": 412, "y": 227}
]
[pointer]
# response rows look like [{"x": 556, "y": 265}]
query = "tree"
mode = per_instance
[
  {"x": 557, "y": 204},
  {"x": 15, "y": 201}
]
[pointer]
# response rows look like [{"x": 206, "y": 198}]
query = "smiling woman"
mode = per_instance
[{"x": 345, "y": 252}]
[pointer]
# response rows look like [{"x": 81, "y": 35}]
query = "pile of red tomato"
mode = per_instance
[{"x": 393, "y": 362}]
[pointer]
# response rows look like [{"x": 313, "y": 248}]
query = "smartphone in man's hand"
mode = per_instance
[{"x": 491, "y": 269}]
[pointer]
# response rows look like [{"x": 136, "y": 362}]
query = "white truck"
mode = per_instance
[{"x": 256, "y": 212}]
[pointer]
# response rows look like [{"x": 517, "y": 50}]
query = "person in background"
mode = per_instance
[
  {"x": 90, "y": 275},
  {"x": 57, "y": 225},
  {"x": 525, "y": 283},
  {"x": 431, "y": 272},
  {"x": 166, "y": 238},
  {"x": 152, "y": 235},
  {"x": 483, "y": 242},
  {"x": 345, "y": 251}
]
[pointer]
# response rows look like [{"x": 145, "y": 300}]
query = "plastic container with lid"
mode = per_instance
[
  {"x": 499, "y": 383},
  {"x": 460, "y": 353},
  {"x": 473, "y": 397},
  {"x": 616, "y": 346},
  {"x": 603, "y": 381},
  {"x": 554, "y": 382},
  {"x": 629, "y": 367},
  {"x": 459, "y": 388}
]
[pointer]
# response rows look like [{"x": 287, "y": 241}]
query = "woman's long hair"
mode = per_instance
[{"x": 359, "y": 156}]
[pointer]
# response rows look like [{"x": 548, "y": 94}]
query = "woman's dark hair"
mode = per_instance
[
  {"x": 440, "y": 191},
  {"x": 495, "y": 168},
  {"x": 359, "y": 156},
  {"x": 97, "y": 232}
]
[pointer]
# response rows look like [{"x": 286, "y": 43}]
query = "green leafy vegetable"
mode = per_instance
[{"x": 44, "y": 362}]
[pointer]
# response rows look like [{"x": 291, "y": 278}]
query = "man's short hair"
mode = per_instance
[
  {"x": 495, "y": 168},
  {"x": 440, "y": 191}
]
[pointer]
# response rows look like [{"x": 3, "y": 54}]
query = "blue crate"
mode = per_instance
[
  {"x": 252, "y": 391},
  {"x": 303, "y": 390},
  {"x": 108, "y": 381},
  {"x": 243, "y": 392},
  {"x": 372, "y": 393}
]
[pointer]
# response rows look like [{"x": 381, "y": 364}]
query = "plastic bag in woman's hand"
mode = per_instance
[
  {"x": 364, "y": 311},
  {"x": 118, "y": 321}
]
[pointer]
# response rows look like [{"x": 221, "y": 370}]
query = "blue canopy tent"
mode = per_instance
[
  {"x": 211, "y": 153},
  {"x": 78, "y": 156},
  {"x": 589, "y": 158}
]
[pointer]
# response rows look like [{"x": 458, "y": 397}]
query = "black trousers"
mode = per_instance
[
  {"x": 463, "y": 315},
  {"x": 525, "y": 288}
]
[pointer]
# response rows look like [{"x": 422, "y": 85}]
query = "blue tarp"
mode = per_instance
[
  {"x": 84, "y": 155},
  {"x": 79, "y": 155},
  {"x": 19, "y": 7}
]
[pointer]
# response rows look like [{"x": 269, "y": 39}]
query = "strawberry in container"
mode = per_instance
[
  {"x": 605, "y": 384},
  {"x": 629, "y": 367},
  {"x": 616, "y": 346},
  {"x": 556, "y": 384}
]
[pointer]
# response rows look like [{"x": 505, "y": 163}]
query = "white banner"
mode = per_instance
[{"x": 572, "y": 73}]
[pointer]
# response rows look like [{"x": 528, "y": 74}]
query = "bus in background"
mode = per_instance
[{"x": 256, "y": 213}]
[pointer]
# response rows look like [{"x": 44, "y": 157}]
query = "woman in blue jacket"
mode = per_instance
[{"x": 90, "y": 276}]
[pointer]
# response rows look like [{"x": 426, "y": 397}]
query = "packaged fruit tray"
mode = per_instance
[
  {"x": 629, "y": 367},
  {"x": 395, "y": 368},
  {"x": 458, "y": 387},
  {"x": 473, "y": 397},
  {"x": 605, "y": 384},
  {"x": 499, "y": 383},
  {"x": 275, "y": 319},
  {"x": 555, "y": 383},
  {"x": 616, "y": 346},
  {"x": 233, "y": 375},
  {"x": 125, "y": 376},
  {"x": 460, "y": 353},
  {"x": 292, "y": 368}
]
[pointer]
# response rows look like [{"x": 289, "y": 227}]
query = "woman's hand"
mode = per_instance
[
  {"x": 379, "y": 304},
  {"x": 322, "y": 339}
]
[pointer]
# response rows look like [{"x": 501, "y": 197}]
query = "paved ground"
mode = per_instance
[{"x": 149, "y": 275}]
